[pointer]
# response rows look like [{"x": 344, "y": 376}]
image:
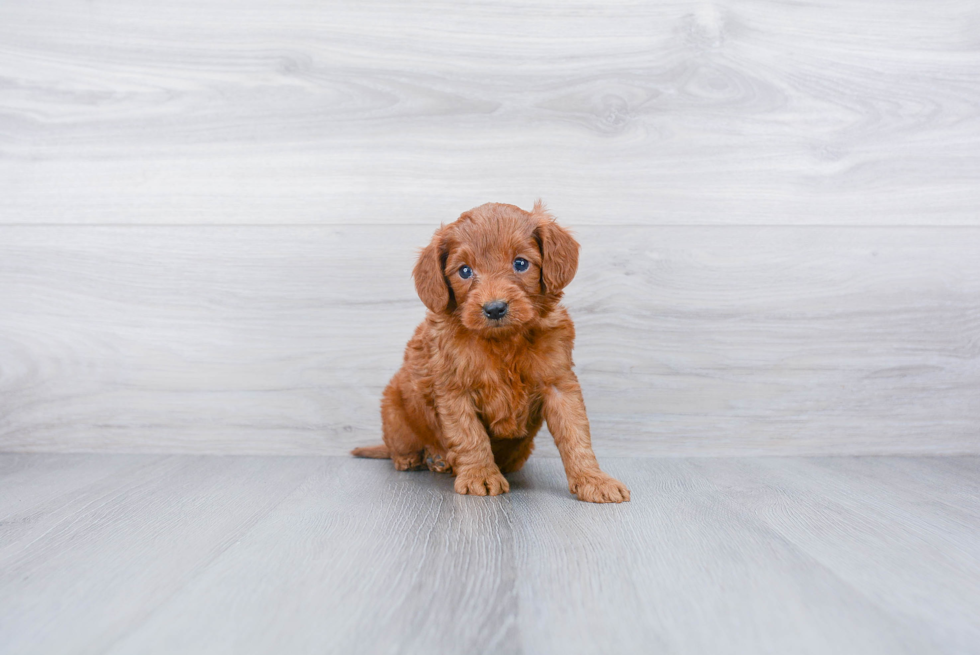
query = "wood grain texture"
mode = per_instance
[
  {"x": 77, "y": 570},
  {"x": 940, "y": 535},
  {"x": 690, "y": 340},
  {"x": 676, "y": 112},
  {"x": 310, "y": 555}
]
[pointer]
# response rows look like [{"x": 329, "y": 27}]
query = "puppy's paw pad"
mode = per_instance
[
  {"x": 437, "y": 463},
  {"x": 600, "y": 488},
  {"x": 481, "y": 483}
]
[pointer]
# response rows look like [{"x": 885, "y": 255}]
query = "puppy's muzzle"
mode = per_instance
[{"x": 495, "y": 310}]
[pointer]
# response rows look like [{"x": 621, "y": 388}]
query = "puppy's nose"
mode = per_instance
[{"x": 495, "y": 309}]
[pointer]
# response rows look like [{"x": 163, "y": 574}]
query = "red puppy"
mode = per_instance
[{"x": 492, "y": 358}]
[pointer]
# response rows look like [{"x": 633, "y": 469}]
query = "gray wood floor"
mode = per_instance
[{"x": 204, "y": 554}]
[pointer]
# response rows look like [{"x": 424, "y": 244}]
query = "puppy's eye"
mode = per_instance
[
  {"x": 520, "y": 264},
  {"x": 465, "y": 272}
]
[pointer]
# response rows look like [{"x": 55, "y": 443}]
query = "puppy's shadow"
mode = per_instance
[
  {"x": 541, "y": 476},
  {"x": 532, "y": 481},
  {"x": 524, "y": 484}
]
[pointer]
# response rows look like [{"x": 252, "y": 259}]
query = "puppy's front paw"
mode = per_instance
[
  {"x": 481, "y": 482},
  {"x": 599, "y": 488}
]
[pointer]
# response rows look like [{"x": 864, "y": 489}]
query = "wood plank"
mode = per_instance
[
  {"x": 920, "y": 561},
  {"x": 675, "y": 112},
  {"x": 271, "y": 555},
  {"x": 361, "y": 558},
  {"x": 952, "y": 483},
  {"x": 682, "y": 569},
  {"x": 29, "y": 481},
  {"x": 79, "y": 569},
  {"x": 278, "y": 340}
]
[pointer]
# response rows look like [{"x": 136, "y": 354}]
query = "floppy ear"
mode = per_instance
[
  {"x": 559, "y": 251},
  {"x": 430, "y": 281}
]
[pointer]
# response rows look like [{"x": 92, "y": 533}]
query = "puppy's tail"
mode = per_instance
[{"x": 373, "y": 452}]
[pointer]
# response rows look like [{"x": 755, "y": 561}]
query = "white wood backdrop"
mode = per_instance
[{"x": 209, "y": 211}]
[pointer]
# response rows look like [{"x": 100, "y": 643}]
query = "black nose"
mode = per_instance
[{"x": 496, "y": 309}]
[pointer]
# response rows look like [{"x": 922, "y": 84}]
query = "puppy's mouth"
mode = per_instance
[
  {"x": 503, "y": 326},
  {"x": 499, "y": 329},
  {"x": 497, "y": 317}
]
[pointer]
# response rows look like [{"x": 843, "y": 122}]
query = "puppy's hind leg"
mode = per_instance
[{"x": 403, "y": 445}]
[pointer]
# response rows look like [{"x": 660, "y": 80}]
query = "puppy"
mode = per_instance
[{"x": 493, "y": 358}]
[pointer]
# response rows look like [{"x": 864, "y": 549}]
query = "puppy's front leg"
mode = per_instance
[
  {"x": 468, "y": 448},
  {"x": 564, "y": 409}
]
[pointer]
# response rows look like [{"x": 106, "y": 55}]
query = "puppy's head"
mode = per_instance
[{"x": 497, "y": 269}]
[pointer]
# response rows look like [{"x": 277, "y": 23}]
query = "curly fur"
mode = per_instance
[{"x": 473, "y": 391}]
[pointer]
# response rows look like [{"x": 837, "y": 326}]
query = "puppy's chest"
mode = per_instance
[{"x": 505, "y": 400}]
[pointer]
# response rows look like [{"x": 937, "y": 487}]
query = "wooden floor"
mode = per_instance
[{"x": 208, "y": 554}]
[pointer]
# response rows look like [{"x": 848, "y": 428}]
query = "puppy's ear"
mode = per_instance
[
  {"x": 559, "y": 251},
  {"x": 430, "y": 281}
]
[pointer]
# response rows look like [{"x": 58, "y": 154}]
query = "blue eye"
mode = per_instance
[
  {"x": 520, "y": 264},
  {"x": 465, "y": 272}
]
